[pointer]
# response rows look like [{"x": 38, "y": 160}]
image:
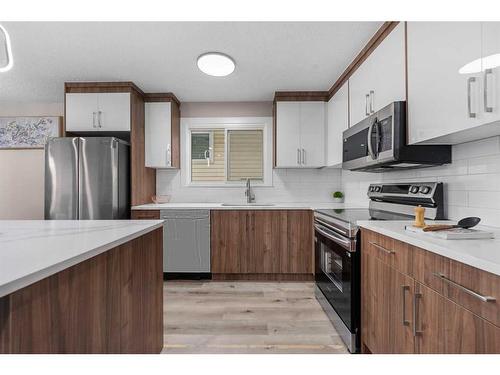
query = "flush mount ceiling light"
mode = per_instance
[
  {"x": 216, "y": 64},
  {"x": 6, "y": 60},
  {"x": 476, "y": 66}
]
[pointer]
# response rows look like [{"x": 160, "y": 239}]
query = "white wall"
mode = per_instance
[
  {"x": 22, "y": 171},
  {"x": 471, "y": 182},
  {"x": 292, "y": 185}
]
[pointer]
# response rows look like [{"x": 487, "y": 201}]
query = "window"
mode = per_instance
[{"x": 227, "y": 152}]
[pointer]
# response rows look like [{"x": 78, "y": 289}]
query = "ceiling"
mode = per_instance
[{"x": 161, "y": 57}]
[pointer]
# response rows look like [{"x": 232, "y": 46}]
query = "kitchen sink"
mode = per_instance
[{"x": 248, "y": 204}]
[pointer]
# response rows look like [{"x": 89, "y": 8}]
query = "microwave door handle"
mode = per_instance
[
  {"x": 369, "y": 140},
  {"x": 345, "y": 243}
]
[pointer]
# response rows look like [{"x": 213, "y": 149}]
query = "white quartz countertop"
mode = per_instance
[
  {"x": 31, "y": 250},
  {"x": 483, "y": 254},
  {"x": 243, "y": 206}
]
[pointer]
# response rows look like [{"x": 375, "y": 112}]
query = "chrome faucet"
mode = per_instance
[{"x": 248, "y": 192}]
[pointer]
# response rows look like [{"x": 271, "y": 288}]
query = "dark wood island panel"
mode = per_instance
[{"x": 111, "y": 303}]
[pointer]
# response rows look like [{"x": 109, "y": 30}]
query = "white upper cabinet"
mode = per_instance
[
  {"x": 300, "y": 131},
  {"x": 337, "y": 122},
  {"x": 81, "y": 112},
  {"x": 288, "y": 134},
  {"x": 441, "y": 99},
  {"x": 380, "y": 80},
  {"x": 158, "y": 147},
  {"x": 114, "y": 111},
  {"x": 491, "y": 70},
  {"x": 97, "y": 112}
]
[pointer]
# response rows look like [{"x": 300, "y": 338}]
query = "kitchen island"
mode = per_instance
[{"x": 81, "y": 286}]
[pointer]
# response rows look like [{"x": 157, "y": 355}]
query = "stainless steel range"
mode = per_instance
[{"x": 337, "y": 247}]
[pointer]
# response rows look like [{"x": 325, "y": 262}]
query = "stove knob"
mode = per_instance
[
  {"x": 425, "y": 189},
  {"x": 414, "y": 189}
]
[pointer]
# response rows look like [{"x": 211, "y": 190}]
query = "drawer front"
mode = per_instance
[
  {"x": 474, "y": 289},
  {"x": 393, "y": 252},
  {"x": 426, "y": 266},
  {"x": 145, "y": 214},
  {"x": 469, "y": 287}
]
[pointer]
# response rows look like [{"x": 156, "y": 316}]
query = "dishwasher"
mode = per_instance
[{"x": 186, "y": 241}]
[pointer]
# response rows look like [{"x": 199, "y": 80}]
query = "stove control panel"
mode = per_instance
[{"x": 402, "y": 190}]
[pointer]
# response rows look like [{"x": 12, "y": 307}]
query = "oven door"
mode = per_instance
[{"x": 337, "y": 273}]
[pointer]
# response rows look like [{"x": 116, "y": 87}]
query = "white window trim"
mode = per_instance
[{"x": 228, "y": 123}]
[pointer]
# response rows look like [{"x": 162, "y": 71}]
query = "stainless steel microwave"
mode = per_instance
[{"x": 378, "y": 144}]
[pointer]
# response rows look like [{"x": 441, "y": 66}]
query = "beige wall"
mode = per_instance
[
  {"x": 22, "y": 171},
  {"x": 226, "y": 109}
]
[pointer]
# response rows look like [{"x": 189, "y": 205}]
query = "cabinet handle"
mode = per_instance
[
  {"x": 367, "y": 96},
  {"x": 486, "y": 108},
  {"x": 304, "y": 157},
  {"x": 464, "y": 289},
  {"x": 372, "y": 95},
  {"x": 169, "y": 156},
  {"x": 298, "y": 156},
  {"x": 387, "y": 251},
  {"x": 469, "y": 99},
  {"x": 404, "y": 288},
  {"x": 416, "y": 331},
  {"x": 99, "y": 119},
  {"x": 93, "y": 119}
]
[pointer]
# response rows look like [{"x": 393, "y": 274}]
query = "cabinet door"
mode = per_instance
[
  {"x": 312, "y": 134},
  {"x": 441, "y": 100},
  {"x": 158, "y": 147},
  {"x": 491, "y": 70},
  {"x": 338, "y": 121},
  {"x": 465, "y": 332},
  {"x": 296, "y": 242},
  {"x": 428, "y": 307},
  {"x": 381, "y": 77},
  {"x": 288, "y": 134},
  {"x": 387, "y": 318},
  {"x": 263, "y": 241},
  {"x": 114, "y": 111},
  {"x": 228, "y": 239},
  {"x": 81, "y": 112}
]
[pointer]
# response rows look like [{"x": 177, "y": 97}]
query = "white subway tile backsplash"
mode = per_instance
[
  {"x": 483, "y": 147},
  {"x": 289, "y": 185},
  {"x": 471, "y": 182}
]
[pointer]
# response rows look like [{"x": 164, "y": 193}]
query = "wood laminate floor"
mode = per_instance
[{"x": 246, "y": 317}]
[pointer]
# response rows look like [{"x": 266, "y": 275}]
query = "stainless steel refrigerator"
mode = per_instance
[{"x": 87, "y": 178}]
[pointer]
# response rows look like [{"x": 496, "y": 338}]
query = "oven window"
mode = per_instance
[{"x": 332, "y": 267}]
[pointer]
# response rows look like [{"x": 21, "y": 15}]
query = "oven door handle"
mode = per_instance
[{"x": 345, "y": 243}]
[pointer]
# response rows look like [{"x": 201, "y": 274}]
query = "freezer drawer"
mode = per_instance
[{"x": 186, "y": 241}]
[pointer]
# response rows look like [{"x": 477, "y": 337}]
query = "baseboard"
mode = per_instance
[
  {"x": 262, "y": 277},
  {"x": 187, "y": 276}
]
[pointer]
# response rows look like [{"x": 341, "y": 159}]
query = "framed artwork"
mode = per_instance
[{"x": 28, "y": 132}]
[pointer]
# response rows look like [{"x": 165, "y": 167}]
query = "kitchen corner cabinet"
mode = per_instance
[
  {"x": 453, "y": 91},
  {"x": 414, "y": 301},
  {"x": 262, "y": 244},
  {"x": 380, "y": 80},
  {"x": 300, "y": 134},
  {"x": 337, "y": 122},
  {"x": 91, "y": 112},
  {"x": 162, "y": 131}
]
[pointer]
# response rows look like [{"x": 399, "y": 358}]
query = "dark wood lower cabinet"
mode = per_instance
[
  {"x": 111, "y": 303},
  {"x": 257, "y": 243},
  {"x": 402, "y": 315}
]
